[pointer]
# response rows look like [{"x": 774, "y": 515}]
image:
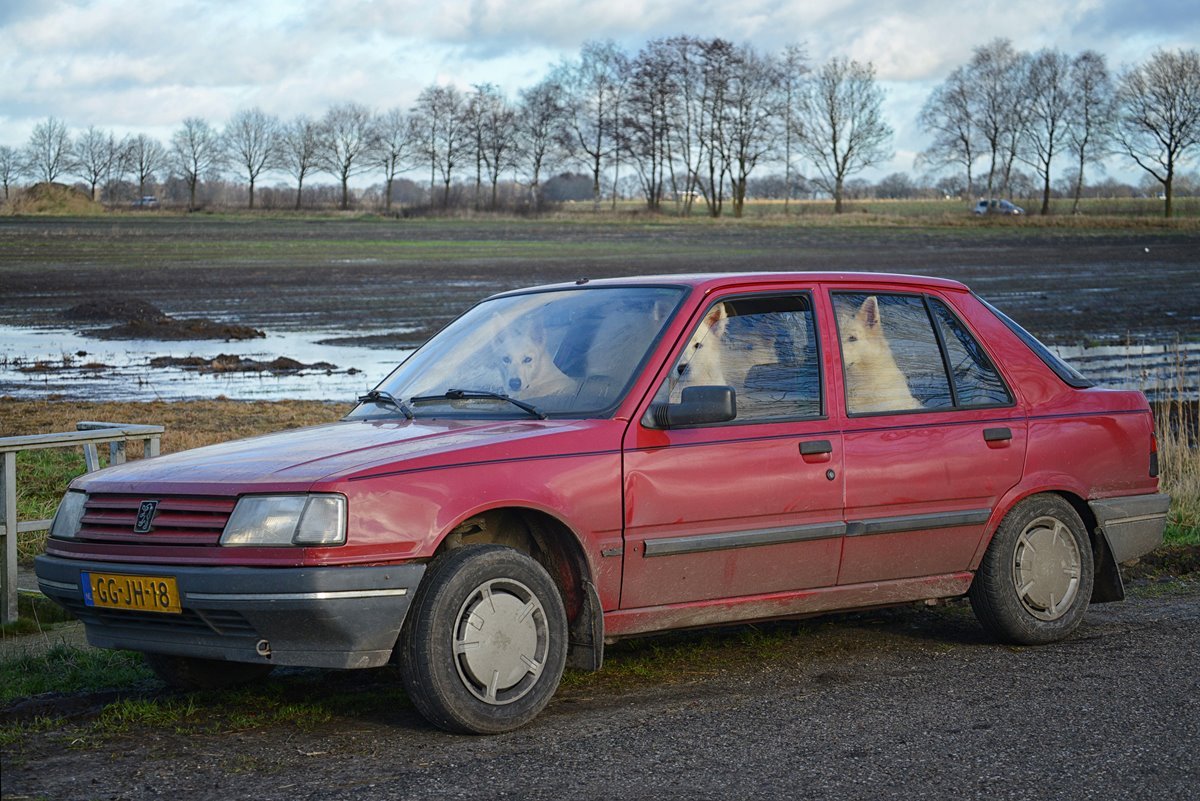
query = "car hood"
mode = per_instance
[{"x": 298, "y": 459}]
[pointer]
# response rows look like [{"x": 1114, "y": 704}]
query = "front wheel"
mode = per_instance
[
  {"x": 1035, "y": 581},
  {"x": 485, "y": 642}
]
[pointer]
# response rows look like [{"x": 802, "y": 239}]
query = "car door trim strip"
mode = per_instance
[
  {"x": 896, "y": 525},
  {"x": 698, "y": 543}
]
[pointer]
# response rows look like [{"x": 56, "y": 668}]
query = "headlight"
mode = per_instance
[
  {"x": 69, "y": 515},
  {"x": 287, "y": 520}
]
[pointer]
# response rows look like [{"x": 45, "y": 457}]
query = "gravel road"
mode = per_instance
[{"x": 910, "y": 703}]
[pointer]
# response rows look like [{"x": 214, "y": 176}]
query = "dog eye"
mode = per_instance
[
  {"x": 507, "y": 360},
  {"x": 527, "y": 360},
  {"x": 852, "y": 338}
]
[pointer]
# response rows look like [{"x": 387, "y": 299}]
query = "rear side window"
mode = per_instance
[
  {"x": 1064, "y": 371},
  {"x": 911, "y": 353}
]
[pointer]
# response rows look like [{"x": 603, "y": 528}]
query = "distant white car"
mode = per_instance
[
  {"x": 145, "y": 202},
  {"x": 997, "y": 207}
]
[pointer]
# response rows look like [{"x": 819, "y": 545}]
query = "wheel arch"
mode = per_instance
[
  {"x": 556, "y": 547},
  {"x": 1107, "y": 585}
]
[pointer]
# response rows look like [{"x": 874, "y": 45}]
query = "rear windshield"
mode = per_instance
[{"x": 1066, "y": 372}]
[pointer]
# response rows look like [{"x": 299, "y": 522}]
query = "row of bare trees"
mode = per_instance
[
  {"x": 1007, "y": 106},
  {"x": 692, "y": 119}
]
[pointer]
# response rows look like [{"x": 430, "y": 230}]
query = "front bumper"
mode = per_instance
[{"x": 338, "y": 617}]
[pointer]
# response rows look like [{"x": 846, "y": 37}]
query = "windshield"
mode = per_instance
[{"x": 570, "y": 352}]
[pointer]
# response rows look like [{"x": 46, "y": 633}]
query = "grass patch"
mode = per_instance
[{"x": 66, "y": 669}]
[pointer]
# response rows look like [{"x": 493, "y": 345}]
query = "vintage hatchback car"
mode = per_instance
[{"x": 569, "y": 465}]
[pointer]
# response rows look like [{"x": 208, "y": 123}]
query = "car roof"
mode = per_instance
[{"x": 709, "y": 282}]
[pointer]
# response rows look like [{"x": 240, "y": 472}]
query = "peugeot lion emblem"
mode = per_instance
[{"x": 145, "y": 517}]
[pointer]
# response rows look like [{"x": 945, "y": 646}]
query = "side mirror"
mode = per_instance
[{"x": 697, "y": 406}]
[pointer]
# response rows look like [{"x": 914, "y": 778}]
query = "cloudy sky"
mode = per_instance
[{"x": 144, "y": 65}]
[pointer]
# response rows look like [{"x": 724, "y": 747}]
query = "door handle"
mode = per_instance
[
  {"x": 997, "y": 434},
  {"x": 815, "y": 447}
]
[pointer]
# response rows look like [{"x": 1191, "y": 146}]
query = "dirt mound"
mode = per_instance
[
  {"x": 226, "y": 363},
  {"x": 53, "y": 199},
  {"x": 168, "y": 328},
  {"x": 137, "y": 319},
  {"x": 114, "y": 310}
]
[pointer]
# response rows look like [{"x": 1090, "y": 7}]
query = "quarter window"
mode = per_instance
[{"x": 976, "y": 381}]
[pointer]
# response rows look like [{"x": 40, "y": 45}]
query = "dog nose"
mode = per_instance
[{"x": 514, "y": 384}]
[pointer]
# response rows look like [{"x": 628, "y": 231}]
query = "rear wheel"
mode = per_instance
[
  {"x": 1035, "y": 581},
  {"x": 484, "y": 644},
  {"x": 194, "y": 673}
]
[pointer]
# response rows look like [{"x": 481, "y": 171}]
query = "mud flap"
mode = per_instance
[
  {"x": 1108, "y": 585},
  {"x": 586, "y": 647}
]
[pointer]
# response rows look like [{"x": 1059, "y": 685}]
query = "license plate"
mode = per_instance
[{"x": 140, "y": 593}]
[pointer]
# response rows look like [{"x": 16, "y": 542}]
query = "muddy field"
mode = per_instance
[{"x": 1069, "y": 286}]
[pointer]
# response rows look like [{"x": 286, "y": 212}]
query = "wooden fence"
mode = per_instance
[{"x": 88, "y": 435}]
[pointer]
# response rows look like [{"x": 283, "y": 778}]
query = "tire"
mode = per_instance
[
  {"x": 1035, "y": 581},
  {"x": 195, "y": 673},
  {"x": 485, "y": 640}
]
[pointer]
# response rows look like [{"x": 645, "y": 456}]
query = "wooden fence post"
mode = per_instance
[{"x": 8, "y": 518}]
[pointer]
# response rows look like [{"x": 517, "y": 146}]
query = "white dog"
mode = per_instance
[{"x": 874, "y": 382}]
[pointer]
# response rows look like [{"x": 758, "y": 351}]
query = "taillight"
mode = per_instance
[{"x": 1153, "y": 455}]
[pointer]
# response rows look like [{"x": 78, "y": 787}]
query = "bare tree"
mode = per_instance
[
  {"x": 11, "y": 168},
  {"x": 718, "y": 62},
  {"x": 592, "y": 92},
  {"x": 949, "y": 116},
  {"x": 299, "y": 150},
  {"x": 48, "y": 153},
  {"x": 647, "y": 119},
  {"x": 843, "y": 130},
  {"x": 252, "y": 142},
  {"x": 995, "y": 103},
  {"x": 478, "y": 106},
  {"x": 196, "y": 151},
  {"x": 687, "y": 125},
  {"x": 499, "y": 140},
  {"x": 1158, "y": 121},
  {"x": 144, "y": 157},
  {"x": 793, "y": 66},
  {"x": 96, "y": 154},
  {"x": 1050, "y": 107},
  {"x": 394, "y": 142},
  {"x": 750, "y": 121},
  {"x": 1090, "y": 128},
  {"x": 346, "y": 139},
  {"x": 444, "y": 134},
  {"x": 538, "y": 121}
]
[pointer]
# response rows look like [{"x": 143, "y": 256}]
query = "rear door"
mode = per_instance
[
  {"x": 933, "y": 436},
  {"x": 752, "y": 505}
]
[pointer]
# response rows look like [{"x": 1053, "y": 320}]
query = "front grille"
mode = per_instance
[
  {"x": 177, "y": 520},
  {"x": 207, "y": 621}
]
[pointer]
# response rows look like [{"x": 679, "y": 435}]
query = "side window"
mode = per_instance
[
  {"x": 764, "y": 347},
  {"x": 976, "y": 380},
  {"x": 890, "y": 354}
]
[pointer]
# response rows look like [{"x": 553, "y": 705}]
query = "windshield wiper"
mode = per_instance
[
  {"x": 468, "y": 394},
  {"x": 388, "y": 399}
]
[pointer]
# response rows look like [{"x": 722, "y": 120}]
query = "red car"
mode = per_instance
[{"x": 569, "y": 465}]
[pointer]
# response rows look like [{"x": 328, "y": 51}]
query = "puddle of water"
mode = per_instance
[
  {"x": 127, "y": 376},
  {"x": 1160, "y": 370}
]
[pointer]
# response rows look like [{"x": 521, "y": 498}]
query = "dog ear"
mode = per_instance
[
  {"x": 868, "y": 312},
  {"x": 716, "y": 316}
]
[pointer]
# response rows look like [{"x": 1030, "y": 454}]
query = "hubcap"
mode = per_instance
[
  {"x": 500, "y": 641},
  {"x": 1046, "y": 568}
]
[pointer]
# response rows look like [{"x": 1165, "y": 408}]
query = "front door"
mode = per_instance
[{"x": 749, "y": 506}]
